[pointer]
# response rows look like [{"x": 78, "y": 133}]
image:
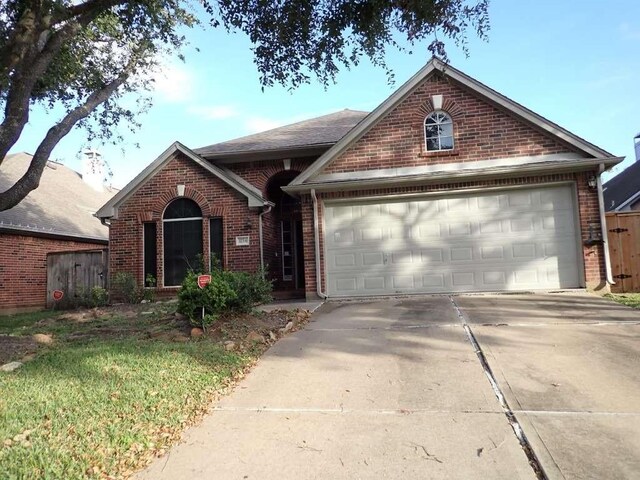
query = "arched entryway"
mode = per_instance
[
  {"x": 182, "y": 239},
  {"x": 285, "y": 246}
]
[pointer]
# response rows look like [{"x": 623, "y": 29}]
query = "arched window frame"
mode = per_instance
[
  {"x": 433, "y": 141},
  {"x": 176, "y": 222}
]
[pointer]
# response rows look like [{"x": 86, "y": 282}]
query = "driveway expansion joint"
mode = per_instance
[{"x": 509, "y": 413}]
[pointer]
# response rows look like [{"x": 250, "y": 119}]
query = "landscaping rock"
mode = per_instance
[
  {"x": 288, "y": 327},
  {"x": 254, "y": 337},
  {"x": 11, "y": 366},
  {"x": 197, "y": 332},
  {"x": 273, "y": 336},
  {"x": 229, "y": 346},
  {"x": 43, "y": 338}
]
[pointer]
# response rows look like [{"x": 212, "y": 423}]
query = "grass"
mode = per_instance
[
  {"x": 13, "y": 323},
  {"x": 105, "y": 397},
  {"x": 628, "y": 299}
]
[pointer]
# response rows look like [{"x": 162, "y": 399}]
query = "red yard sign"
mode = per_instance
[
  {"x": 57, "y": 295},
  {"x": 204, "y": 280}
]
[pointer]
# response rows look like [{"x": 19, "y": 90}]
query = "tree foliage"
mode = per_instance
[{"x": 82, "y": 56}]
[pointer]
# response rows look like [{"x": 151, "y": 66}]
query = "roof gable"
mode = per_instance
[
  {"x": 623, "y": 188},
  {"x": 436, "y": 66},
  {"x": 254, "y": 197}
]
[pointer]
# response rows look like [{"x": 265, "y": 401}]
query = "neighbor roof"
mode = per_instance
[
  {"x": 63, "y": 204},
  {"x": 468, "y": 82},
  {"x": 622, "y": 188},
  {"x": 320, "y": 132}
]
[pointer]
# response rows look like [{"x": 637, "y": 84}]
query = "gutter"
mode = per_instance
[
  {"x": 435, "y": 177},
  {"x": 316, "y": 235},
  {"x": 269, "y": 207},
  {"x": 603, "y": 226}
]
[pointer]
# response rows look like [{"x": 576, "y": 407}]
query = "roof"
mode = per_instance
[
  {"x": 320, "y": 132},
  {"x": 253, "y": 195},
  {"x": 63, "y": 204},
  {"x": 622, "y": 188},
  {"x": 487, "y": 93}
]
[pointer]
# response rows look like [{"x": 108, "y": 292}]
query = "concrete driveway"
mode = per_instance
[{"x": 394, "y": 389}]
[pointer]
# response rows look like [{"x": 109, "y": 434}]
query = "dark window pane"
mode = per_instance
[
  {"x": 430, "y": 120},
  {"x": 432, "y": 144},
  {"x": 216, "y": 242},
  {"x": 150, "y": 252},
  {"x": 182, "y": 245},
  {"x": 431, "y": 131},
  {"x": 182, "y": 208},
  {"x": 446, "y": 143}
]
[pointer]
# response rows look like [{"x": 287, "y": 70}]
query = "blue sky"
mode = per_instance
[{"x": 575, "y": 62}]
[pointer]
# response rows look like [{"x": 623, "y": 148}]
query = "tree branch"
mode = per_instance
[{"x": 31, "y": 179}]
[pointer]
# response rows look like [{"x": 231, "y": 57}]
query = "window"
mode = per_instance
[
  {"x": 216, "y": 242},
  {"x": 182, "y": 225},
  {"x": 150, "y": 252},
  {"x": 438, "y": 132}
]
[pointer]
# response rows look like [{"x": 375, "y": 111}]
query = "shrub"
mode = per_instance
[
  {"x": 125, "y": 288},
  {"x": 99, "y": 297},
  {"x": 214, "y": 297},
  {"x": 237, "y": 291}
]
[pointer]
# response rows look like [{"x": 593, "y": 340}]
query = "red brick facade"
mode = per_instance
[
  {"x": 23, "y": 268},
  {"x": 481, "y": 132}
]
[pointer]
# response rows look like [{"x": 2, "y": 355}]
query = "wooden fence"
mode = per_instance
[
  {"x": 75, "y": 273},
  {"x": 624, "y": 249}
]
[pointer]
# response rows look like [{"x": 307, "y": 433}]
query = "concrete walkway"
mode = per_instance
[{"x": 394, "y": 389}]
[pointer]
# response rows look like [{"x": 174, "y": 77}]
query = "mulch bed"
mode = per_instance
[{"x": 15, "y": 348}]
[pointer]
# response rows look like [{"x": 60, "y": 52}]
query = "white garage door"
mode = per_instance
[{"x": 520, "y": 239}]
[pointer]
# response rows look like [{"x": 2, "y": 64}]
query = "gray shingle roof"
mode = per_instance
[
  {"x": 320, "y": 131},
  {"x": 622, "y": 187},
  {"x": 63, "y": 204}
]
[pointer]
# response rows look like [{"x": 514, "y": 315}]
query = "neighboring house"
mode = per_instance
[
  {"x": 447, "y": 186},
  {"x": 57, "y": 216},
  {"x": 622, "y": 192}
]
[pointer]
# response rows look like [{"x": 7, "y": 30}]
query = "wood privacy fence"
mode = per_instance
[
  {"x": 75, "y": 274},
  {"x": 624, "y": 249}
]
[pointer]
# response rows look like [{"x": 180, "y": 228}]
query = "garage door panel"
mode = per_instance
[{"x": 495, "y": 241}]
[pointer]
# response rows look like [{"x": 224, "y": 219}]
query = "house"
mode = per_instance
[
  {"x": 447, "y": 186},
  {"x": 57, "y": 216},
  {"x": 622, "y": 192}
]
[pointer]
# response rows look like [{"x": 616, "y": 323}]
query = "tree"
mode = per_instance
[{"x": 83, "y": 56}]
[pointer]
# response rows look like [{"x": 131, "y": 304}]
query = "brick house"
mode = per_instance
[
  {"x": 447, "y": 186},
  {"x": 56, "y": 217}
]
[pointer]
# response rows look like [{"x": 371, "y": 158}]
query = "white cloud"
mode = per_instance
[
  {"x": 213, "y": 112},
  {"x": 629, "y": 32},
  {"x": 174, "y": 83}
]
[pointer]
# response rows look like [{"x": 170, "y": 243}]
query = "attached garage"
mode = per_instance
[{"x": 494, "y": 240}]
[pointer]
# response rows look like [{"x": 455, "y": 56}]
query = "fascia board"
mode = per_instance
[{"x": 446, "y": 176}]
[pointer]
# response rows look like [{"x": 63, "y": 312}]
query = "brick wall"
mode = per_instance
[
  {"x": 588, "y": 214},
  {"x": 23, "y": 269},
  {"x": 215, "y": 198},
  {"x": 481, "y": 132}
]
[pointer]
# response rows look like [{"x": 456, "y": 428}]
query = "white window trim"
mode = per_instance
[{"x": 424, "y": 132}]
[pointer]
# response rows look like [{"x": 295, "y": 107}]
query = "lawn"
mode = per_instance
[
  {"x": 114, "y": 390},
  {"x": 628, "y": 299}
]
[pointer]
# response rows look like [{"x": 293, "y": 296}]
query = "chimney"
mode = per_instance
[
  {"x": 636, "y": 142},
  {"x": 93, "y": 169}
]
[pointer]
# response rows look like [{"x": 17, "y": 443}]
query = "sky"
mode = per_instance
[{"x": 577, "y": 63}]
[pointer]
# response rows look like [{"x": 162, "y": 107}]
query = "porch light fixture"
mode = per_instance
[{"x": 592, "y": 182}]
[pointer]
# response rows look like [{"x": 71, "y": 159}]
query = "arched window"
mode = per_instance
[
  {"x": 438, "y": 131},
  {"x": 182, "y": 227}
]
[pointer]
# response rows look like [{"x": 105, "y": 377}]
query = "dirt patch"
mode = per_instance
[{"x": 14, "y": 348}]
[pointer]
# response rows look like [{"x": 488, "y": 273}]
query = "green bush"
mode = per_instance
[
  {"x": 125, "y": 288},
  {"x": 228, "y": 291},
  {"x": 99, "y": 297},
  {"x": 95, "y": 297},
  {"x": 251, "y": 289}
]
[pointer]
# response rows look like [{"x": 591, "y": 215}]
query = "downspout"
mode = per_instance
[
  {"x": 269, "y": 207},
  {"x": 603, "y": 225},
  {"x": 316, "y": 234}
]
